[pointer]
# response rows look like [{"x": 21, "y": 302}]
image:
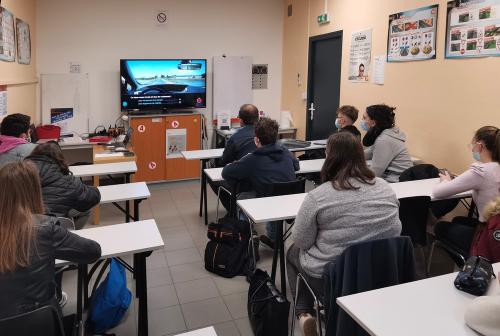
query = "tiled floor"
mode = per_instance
[{"x": 181, "y": 294}]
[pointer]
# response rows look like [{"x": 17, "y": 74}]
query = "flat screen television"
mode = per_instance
[{"x": 163, "y": 84}]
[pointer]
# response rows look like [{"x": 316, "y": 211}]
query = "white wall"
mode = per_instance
[{"x": 98, "y": 33}]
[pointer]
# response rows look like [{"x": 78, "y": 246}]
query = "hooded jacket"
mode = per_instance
[
  {"x": 486, "y": 242},
  {"x": 389, "y": 155},
  {"x": 267, "y": 164},
  {"x": 239, "y": 144},
  {"x": 31, "y": 287},
  {"x": 14, "y": 149},
  {"x": 61, "y": 193}
]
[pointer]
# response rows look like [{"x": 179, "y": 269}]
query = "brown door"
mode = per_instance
[
  {"x": 177, "y": 168},
  {"x": 148, "y": 139}
]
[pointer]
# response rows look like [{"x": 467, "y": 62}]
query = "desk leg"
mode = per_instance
[
  {"x": 97, "y": 209},
  {"x": 79, "y": 299},
  {"x": 279, "y": 252},
  {"x": 201, "y": 186},
  {"x": 205, "y": 200},
  {"x": 135, "y": 261},
  {"x": 142, "y": 291}
]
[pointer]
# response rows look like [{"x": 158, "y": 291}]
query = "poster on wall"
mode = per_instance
[
  {"x": 7, "y": 41},
  {"x": 412, "y": 35},
  {"x": 3, "y": 101},
  {"x": 360, "y": 56},
  {"x": 23, "y": 42},
  {"x": 473, "y": 29},
  {"x": 176, "y": 142}
]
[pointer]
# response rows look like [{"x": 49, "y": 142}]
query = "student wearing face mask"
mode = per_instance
[
  {"x": 386, "y": 143},
  {"x": 346, "y": 117},
  {"x": 483, "y": 178}
]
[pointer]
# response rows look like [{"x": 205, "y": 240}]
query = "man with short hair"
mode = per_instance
[
  {"x": 269, "y": 163},
  {"x": 14, "y": 135}
]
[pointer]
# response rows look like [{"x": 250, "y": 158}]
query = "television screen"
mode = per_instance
[{"x": 163, "y": 84}]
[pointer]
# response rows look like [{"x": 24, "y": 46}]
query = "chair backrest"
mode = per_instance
[
  {"x": 361, "y": 267},
  {"x": 297, "y": 186},
  {"x": 43, "y": 321},
  {"x": 413, "y": 213},
  {"x": 66, "y": 223}
]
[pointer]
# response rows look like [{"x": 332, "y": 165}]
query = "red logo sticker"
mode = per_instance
[
  {"x": 175, "y": 124},
  {"x": 152, "y": 165},
  {"x": 141, "y": 128}
]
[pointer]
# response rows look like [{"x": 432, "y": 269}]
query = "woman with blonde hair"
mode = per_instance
[{"x": 30, "y": 242}]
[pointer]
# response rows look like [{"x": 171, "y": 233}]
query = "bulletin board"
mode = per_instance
[{"x": 65, "y": 101}]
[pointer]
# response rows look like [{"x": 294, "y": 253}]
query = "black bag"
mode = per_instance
[
  {"x": 226, "y": 254},
  {"x": 267, "y": 308},
  {"x": 475, "y": 277}
]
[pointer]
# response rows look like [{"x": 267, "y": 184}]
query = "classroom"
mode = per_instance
[{"x": 234, "y": 168}]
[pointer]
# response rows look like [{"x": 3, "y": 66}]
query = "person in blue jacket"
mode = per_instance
[{"x": 269, "y": 163}]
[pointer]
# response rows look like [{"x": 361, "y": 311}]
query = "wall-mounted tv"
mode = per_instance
[{"x": 163, "y": 84}]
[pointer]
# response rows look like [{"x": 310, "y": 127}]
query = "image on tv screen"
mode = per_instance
[{"x": 163, "y": 84}]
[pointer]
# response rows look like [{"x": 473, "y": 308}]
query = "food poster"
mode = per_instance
[
  {"x": 176, "y": 142},
  {"x": 473, "y": 29},
  {"x": 360, "y": 56},
  {"x": 412, "y": 35}
]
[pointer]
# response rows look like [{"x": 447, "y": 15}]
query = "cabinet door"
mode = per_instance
[
  {"x": 178, "y": 168},
  {"x": 148, "y": 139}
]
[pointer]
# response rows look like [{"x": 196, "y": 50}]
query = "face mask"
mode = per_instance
[
  {"x": 476, "y": 155},
  {"x": 364, "y": 126},
  {"x": 337, "y": 123}
]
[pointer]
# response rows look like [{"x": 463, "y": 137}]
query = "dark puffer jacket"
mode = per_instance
[
  {"x": 61, "y": 193},
  {"x": 33, "y": 286}
]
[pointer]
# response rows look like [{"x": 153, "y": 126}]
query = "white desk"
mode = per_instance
[
  {"x": 136, "y": 192},
  {"x": 210, "y": 331},
  {"x": 266, "y": 209},
  {"x": 135, "y": 238},
  {"x": 123, "y": 239},
  {"x": 127, "y": 167},
  {"x": 428, "y": 307}
]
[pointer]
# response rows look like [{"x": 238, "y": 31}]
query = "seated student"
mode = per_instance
[
  {"x": 483, "y": 178},
  {"x": 386, "y": 143},
  {"x": 63, "y": 194},
  {"x": 239, "y": 144},
  {"x": 14, "y": 135},
  {"x": 269, "y": 163},
  {"x": 346, "y": 117},
  {"x": 31, "y": 242},
  {"x": 351, "y": 206}
]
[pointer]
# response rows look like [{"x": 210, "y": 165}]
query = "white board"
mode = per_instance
[
  {"x": 66, "y": 91},
  {"x": 232, "y": 84}
]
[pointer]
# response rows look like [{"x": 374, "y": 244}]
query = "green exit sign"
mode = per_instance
[{"x": 323, "y": 18}]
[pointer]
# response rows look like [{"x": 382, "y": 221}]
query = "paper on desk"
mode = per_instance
[
  {"x": 379, "y": 70},
  {"x": 105, "y": 155}
]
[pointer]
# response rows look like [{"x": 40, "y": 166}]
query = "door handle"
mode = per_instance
[{"x": 312, "y": 109}]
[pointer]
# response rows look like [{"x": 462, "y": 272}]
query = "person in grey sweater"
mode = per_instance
[
  {"x": 386, "y": 143},
  {"x": 351, "y": 206},
  {"x": 14, "y": 132}
]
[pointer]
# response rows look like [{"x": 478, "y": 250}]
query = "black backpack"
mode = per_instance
[{"x": 226, "y": 254}]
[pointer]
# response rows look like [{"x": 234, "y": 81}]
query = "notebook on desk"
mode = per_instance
[{"x": 294, "y": 143}]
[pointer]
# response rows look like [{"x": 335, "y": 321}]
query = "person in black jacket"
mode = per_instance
[
  {"x": 269, "y": 163},
  {"x": 31, "y": 242},
  {"x": 63, "y": 194},
  {"x": 239, "y": 144},
  {"x": 346, "y": 117}
]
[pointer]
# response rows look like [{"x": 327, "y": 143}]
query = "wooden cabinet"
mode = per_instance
[{"x": 150, "y": 140}]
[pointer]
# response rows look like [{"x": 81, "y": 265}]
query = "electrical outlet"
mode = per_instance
[{"x": 75, "y": 68}]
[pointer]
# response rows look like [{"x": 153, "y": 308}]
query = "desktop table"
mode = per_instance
[
  {"x": 135, "y": 238},
  {"x": 280, "y": 208},
  {"x": 431, "y": 306},
  {"x": 136, "y": 192}
]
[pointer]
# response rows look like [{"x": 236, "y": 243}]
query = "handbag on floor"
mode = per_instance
[
  {"x": 475, "y": 277},
  {"x": 226, "y": 254},
  {"x": 267, "y": 307}
]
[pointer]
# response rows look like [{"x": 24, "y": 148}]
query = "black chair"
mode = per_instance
[
  {"x": 43, "y": 321},
  {"x": 279, "y": 189},
  {"x": 361, "y": 267}
]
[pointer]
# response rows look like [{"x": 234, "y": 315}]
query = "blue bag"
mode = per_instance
[{"x": 110, "y": 300}]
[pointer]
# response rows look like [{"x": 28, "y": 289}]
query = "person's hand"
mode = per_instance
[{"x": 445, "y": 177}]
